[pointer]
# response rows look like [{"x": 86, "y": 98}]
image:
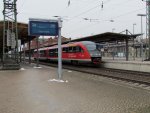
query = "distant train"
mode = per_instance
[{"x": 75, "y": 53}]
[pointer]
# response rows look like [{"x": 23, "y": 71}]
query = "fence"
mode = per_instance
[{"x": 117, "y": 51}]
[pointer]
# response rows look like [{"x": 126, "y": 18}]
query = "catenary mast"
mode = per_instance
[
  {"x": 10, "y": 25},
  {"x": 148, "y": 24}
]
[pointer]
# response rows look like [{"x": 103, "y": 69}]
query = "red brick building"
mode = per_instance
[{"x": 44, "y": 42}]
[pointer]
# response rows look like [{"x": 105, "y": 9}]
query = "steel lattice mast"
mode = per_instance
[
  {"x": 10, "y": 23},
  {"x": 148, "y": 24}
]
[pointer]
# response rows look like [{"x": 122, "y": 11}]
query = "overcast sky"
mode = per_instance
[{"x": 123, "y": 12}]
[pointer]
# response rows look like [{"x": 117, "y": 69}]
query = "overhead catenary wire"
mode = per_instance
[
  {"x": 89, "y": 10},
  {"x": 84, "y": 11},
  {"x": 93, "y": 24},
  {"x": 101, "y": 5},
  {"x": 127, "y": 13},
  {"x": 70, "y": 3}
]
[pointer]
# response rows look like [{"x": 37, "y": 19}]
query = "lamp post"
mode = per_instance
[
  {"x": 134, "y": 27},
  {"x": 113, "y": 29},
  {"x": 148, "y": 26},
  {"x": 141, "y": 15}
]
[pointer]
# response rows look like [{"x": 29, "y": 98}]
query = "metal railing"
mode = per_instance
[{"x": 118, "y": 52}]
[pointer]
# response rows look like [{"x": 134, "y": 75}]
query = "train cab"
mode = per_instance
[{"x": 94, "y": 50}]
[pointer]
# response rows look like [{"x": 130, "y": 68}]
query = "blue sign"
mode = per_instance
[{"x": 43, "y": 28}]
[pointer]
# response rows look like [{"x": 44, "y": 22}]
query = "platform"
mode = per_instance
[
  {"x": 133, "y": 65},
  {"x": 9, "y": 64},
  {"x": 29, "y": 91}
]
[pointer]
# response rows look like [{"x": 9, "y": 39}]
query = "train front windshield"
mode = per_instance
[{"x": 93, "y": 47}]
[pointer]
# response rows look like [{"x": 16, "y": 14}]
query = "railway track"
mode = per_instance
[{"x": 131, "y": 76}]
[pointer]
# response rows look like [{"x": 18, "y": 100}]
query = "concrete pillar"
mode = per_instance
[
  {"x": 20, "y": 55},
  {"x": 29, "y": 51},
  {"x": 127, "y": 50},
  {"x": 127, "y": 47}
]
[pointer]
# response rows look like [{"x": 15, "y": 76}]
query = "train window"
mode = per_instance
[
  {"x": 79, "y": 49},
  {"x": 98, "y": 47},
  {"x": 74, "y": 49},
  {"x": 56, "y": 50},
  {"x": 51, "y": 52},
  {"x": 65, "y": 49},
  {"x": 35, "y": 52},
  {"x": 42, "y": 52},
  {"x": 70, "y": 49},
  {"x": 91, "y": 47},
  {"x": 56, "y": 53}
]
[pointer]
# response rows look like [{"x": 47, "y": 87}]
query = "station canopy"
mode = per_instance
[
  {"x": 107, "y": 37},
  {"x": 99, "y": 38},
  {"x": 22, "y": 33}
]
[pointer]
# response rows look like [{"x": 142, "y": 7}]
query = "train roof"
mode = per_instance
[
  {"x": 41, "y": 49},
  {"x": 87, "y": 42},
  {"x": 68, "y": 45}
]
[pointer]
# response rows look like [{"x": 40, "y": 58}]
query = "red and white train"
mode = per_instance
[{"x": 75, "y": 53}]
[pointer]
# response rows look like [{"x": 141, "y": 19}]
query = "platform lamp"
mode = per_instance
[
  {"x": 141, "y": 15},
  {"x": 113, "y": 29},
  {"x": 134, "y": 27}
]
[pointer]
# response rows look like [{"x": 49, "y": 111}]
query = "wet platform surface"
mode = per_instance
[{"x": 29, "y": 91}]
